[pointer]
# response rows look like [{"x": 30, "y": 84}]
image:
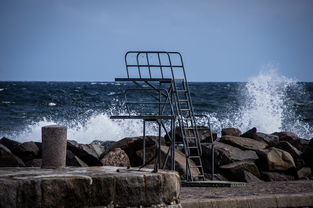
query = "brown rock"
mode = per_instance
[
  {"x": 243, "y": 143},
  {"x": 268, "y": 138},
  {"x": 73, "y": 160},
  {"x": 274, "y": 159},
  {"x": 286, "y": 146},
  {"x": 8, "y": 159},
  {"x": 9, "y": 143},
  {"x": 116, "y": 157},
  {"x": 275, "y": 176},
  {"x": 231, "y": 132},
  {"x": 235, "y": 170},
  {"x": 250, "y": 178},
  {"x": 85, "y": 152},
  {"x": 99, "y": 149},
  {"x": 250, "y": 133},
  {"x": 304, "y": 172},
  {"x": 26, "y": 151},
  {"x": 224, "y": 154},
  {"x": 293, "y": 139}
]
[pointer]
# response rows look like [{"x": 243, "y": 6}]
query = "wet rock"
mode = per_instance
[
  {"x": 203, "y": 131},
  {"x": 243, "y": 143},
  {"x": 286, "y": 146},
  {"x": 73, "y": 160},
  {"x": 9, "y": 143},
  {"x": 84, "y": 152},
  {"x": 250, "y": 178},
  {"x": 224, "y": 154},
  {"x": 26, "y": 151},
  {"x": 268, "y": 138},
  {"x": 8, "y": 159},
  {"x": 275, "y": 176},
  {"x": 231, "y": 132},
  {"x": 116, "y": 157},
  {"x": 235, "y": 170},
  {"x": 131, "y": 145},
  {"x": 274, "y": 159},
  {"x": 99, "y": 149},
  {"x": 106, "y": 144},
  {"x": 304, "y": 173},
  {"x": 293, "y": 139},
  {"x": 34, "y": 163},
  {"x": 250, "y": 133}
]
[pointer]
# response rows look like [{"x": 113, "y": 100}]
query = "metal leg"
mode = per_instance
[{"x": 144, "y": 143}]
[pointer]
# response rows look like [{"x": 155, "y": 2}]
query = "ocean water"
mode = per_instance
[{"x": 268, "y": 101}]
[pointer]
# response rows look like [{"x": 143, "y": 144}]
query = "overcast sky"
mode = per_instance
[{"x": 77, "y": 40}]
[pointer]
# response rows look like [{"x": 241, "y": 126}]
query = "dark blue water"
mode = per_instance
[{"x": 86, "y": 106}]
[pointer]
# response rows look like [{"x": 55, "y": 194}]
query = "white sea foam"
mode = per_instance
[
  {"x": 1, "y": 89},
  {"x": 266, "y": 106},
  {"x": 52, "y": 104}
]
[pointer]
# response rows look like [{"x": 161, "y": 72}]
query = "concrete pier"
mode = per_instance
[
  {"x": 88, "y": 187},
  {"x": 54, "y": 146}
]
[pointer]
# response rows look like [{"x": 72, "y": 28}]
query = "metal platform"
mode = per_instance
[{"x": 212, "y": 184}]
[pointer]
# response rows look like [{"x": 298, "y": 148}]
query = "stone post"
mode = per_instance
[{"x": 53, "y": 146}]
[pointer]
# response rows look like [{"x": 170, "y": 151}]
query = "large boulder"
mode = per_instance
[
  {"x": 105, "y": 144},
  {"x": 26, "y": 151},
  {"x": 116, "y": 157},
  {"x": 131, "y": 145},
  {"x": 250, "y": 178},
  {"x": 286, "y": 146},
  {"x": 275, "y": 176},
  {"x": 85, "y": 152},
  {"x": 9, "y": 143},
  {"x": 250, "y": 133},
  {"x": 8, "y": 159},
  {"x": 203, "y": 132},
  {"x": 243, "y": 143},
  {"x": 73, "y": 160},
  {"x": 231, "y": 132},
  {"x": 293, "y": 139},
  {"x": 235, "y": 170},
  {"x": 268, "y": 138},
  {"x": 224, "y": 154},
  {"x": 274, "y": 159}
]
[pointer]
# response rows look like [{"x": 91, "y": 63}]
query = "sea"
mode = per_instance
[{"x": 269, "y": 101}]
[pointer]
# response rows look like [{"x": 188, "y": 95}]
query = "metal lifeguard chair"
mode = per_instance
[{"x": 161, "y": 79}]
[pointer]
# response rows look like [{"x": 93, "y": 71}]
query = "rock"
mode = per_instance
[
  {"x": 243, "y": 143},
  {"x": 274, "y": 159},
  {"x": 99, "y": 149},
  {"x": 304, "y": 172},
  {"x": 293, "y": 139},
  {"x": 73, "y": 160},
  {"x": 26, "y": 151},
  {"x": 34, "y": 163},
  {"x": 8, "y": 159},
  {"x": 85, "y": 152},
  {"x": 250, "y": 133},
  {"x": 116, "y": 157},
  {"x": 203, "y": 131},
  {"x": 250, "y": 178},
  {"x": 180, "y": 162},
  {"x": 224, "y": 154},
  {"x": 231, "y": 132},
  {"x": 131, "y": 145},
  {"x": 286, "y": 146},
  {"x": 268, "y": 138},
  {"x": 217, "y": 177},
  {"x": 9, "y": 143},
  {"x": 307, "y": 156},
  {"x": 275, "y": 176},
  {"x": 235, "y": 170},
  {"x": 39, "y": 145},
  {"x": 106, "y": 144}
]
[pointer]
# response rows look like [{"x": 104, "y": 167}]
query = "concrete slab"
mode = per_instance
[{"x": 88, "y": 187}]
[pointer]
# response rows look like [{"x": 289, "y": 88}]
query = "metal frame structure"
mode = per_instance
[{"x": 164, "y": 74}]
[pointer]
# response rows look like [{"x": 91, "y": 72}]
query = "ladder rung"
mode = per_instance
[
  {"x": 187, "y": 119},
  {"x": 193, "y": 137},
  {"x": 193, "y": 147},
  {"x": 195, "y": 156},
  {"x": 181, "y": 90},
  {"x": 188, "y": 128},
  {"x": 197, "y": 166}
]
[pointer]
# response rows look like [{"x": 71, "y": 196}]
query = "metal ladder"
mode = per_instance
[{"x": 187, "y": 125}]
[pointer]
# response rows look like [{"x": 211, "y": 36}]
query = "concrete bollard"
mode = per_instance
[{"x": 53, "y": 146}]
